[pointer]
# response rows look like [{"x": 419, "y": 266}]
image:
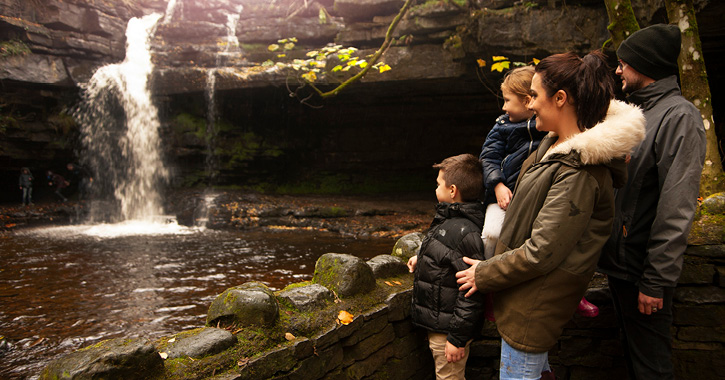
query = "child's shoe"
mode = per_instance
[{"x": 587, "y": 309}]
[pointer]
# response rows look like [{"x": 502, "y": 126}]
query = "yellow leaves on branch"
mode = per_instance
[
  {"x": 501, "y": 63},
  {"x": 344, "y": 317}
]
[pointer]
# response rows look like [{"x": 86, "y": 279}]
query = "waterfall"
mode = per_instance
[
  {"x": 170, "y": 11},
  {"x": 120, "y": 129}
]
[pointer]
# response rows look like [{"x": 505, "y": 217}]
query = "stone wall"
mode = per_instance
[{"x": 380, "y": 341}]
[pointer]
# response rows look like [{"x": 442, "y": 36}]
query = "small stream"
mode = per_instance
[{"x": 63, "y": 288}]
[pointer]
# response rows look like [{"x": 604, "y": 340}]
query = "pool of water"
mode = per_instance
[{"x": 63, "y": 288}]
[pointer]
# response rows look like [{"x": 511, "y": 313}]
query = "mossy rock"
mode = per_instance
[
  {"x": 250, "y": 304},
  {"x": 198, "y": 343},
  {"x": 110, "y": 359},
  {"x": 384, "y": 266},
  {"x": 344, "y": 274},
  {"x": 709, "y": 225},
  {"x": 408, "y": 246}
]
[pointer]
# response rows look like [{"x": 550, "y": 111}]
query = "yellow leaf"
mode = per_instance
[
  {"x": 289, "y": 336},
  {"x": 273, "y": 47},
  {"x": 388, "y": 283},
  {"x": 312, "y": 53},
  {"x": 289, "y": 46},
  {"x": 345, "y": 317},
  {"x": 309, "y": 76},
  {"x": 481, "y": 63},
  {"x": 536, "y": 61},
  {"x": 497, "y": 58},
  {"x": 384, "y": 68},
  {"x": 163, "y": 355},
  {"x": 281, "y": 55},
  {"x": 500, "y": 66},
  {"x": 397, "y": 282},
  {"x": 363, "y": 64}
]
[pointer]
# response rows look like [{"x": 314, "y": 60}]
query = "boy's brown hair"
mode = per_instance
[{"x": 464, "y": 171}]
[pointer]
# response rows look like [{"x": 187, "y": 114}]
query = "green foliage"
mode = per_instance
[
  {"x": 246, "y": 147},
  {"x": 13, "y": 48}
]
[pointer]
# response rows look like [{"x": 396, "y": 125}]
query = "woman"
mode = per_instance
[{"x": 562, "y": 210}]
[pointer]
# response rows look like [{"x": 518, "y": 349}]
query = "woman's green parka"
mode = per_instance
[{"x": 560, "y": 216}]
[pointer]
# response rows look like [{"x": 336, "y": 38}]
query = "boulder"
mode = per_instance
[
  {"x": 344, "y": 274},
  {"x": 387, "y": 266},
  {"x": 307, "y": 298},
  {"x": 199, "y": 343},
  {"x": 110, "y": 359},
  {"x": 408, "y": 246},
  {"x": 251, "y": 303}
]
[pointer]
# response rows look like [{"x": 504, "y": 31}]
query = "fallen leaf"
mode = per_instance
[
  {"x": 388, "y": 283},
  {"x": 172, "y": 340},
  {"x": 344, "y": 317},
  {"x": 243, "y": 362},
  {"x": 289, "y": 336},
  {"x": 163, "y": 355},
  {"x": 397, "y": 282}
]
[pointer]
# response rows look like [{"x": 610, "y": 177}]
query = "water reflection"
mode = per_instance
[{"x": 63, "y": 288}]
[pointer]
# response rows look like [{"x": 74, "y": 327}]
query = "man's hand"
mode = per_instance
[
  {"x": 467, "y": 278},
  {"x": 503, "y": 195},
  {"x": 412, "y": 263},
  {"x": 649, "y": 305},
  {"x": 453, "y": 353}
]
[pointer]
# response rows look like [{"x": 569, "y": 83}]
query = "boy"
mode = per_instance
[{"x": 438, "y": 306}]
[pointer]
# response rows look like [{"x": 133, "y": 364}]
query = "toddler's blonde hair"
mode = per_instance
[{"x": 518, "y": 81}]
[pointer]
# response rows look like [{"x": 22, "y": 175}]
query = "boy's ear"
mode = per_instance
[
  {"x": 453, "y": 189},
  {"x": 527, "y": 100}
]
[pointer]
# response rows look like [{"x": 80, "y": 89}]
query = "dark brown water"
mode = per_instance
[{"x": 64, "y": 288}]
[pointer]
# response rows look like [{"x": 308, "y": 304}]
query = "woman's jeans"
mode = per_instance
[{"x": 520, "y": 365}]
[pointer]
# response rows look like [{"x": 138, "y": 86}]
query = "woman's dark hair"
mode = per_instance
[{"x": 587, "y": 81}]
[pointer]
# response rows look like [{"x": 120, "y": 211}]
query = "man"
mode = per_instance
[{"x": 654, "y": 211}]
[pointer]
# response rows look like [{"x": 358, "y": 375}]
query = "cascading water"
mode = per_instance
[
  {"x": 231, "y": 48},
  {"x": 120, "y": 128}
]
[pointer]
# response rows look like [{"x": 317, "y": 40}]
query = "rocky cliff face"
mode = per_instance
[{"x": 382, "y": 133}]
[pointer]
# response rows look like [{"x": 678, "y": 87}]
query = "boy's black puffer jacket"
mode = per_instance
[{"x": 438, "y": 305}]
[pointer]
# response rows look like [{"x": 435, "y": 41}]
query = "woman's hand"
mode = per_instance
[
  {"x": 467, "y": 278},
  {"x": 503, "y": 195},
  {"x": 453, "y": 353}
]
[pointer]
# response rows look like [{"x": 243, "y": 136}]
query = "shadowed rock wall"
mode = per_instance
[{"x": 435, "y": 102}]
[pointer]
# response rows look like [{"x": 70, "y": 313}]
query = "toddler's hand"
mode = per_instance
[
  {"x": 503, "y": 195},
  {"x": 453, "y": 353},
  {"x": 412, "y": 262}
]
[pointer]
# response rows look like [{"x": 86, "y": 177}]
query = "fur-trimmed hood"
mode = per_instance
[{"x": 615, "y": 137}]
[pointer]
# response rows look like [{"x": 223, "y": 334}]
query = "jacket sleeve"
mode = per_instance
[
  {"x": 468, "y": 313},
  {"x": 492, "y": 153},
  {"x": 680, "y": 153},
  {"x": 558, "y": 227}
]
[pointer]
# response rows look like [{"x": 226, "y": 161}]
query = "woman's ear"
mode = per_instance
[{"x": 560, "y": 97}]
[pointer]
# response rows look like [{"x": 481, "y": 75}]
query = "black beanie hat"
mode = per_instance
[{"x": 652, "y": 51}]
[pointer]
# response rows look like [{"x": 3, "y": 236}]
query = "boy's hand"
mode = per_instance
[
  {"x": 467, "y": 278},
  {"x": 453, "y": 353},
  {"x": 412, "y": 263},
  {"x": 503, "y": 195}
]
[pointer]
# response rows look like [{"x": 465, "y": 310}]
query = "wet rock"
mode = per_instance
[
  {"x": 200, "y": 342},
  {"x": 110, "y": 359},
  {"x": 408, "y": 246},
  {"x": 714, "y": 204},
  {"x": 387, "y": 266},
  {"x": 251, "y": 303},
  {"x": 359, "y": 10},
  {"x": 34, "y": 68},
  {"x": 344, "y": 274},
  {"x": 307, "y": 298}
]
